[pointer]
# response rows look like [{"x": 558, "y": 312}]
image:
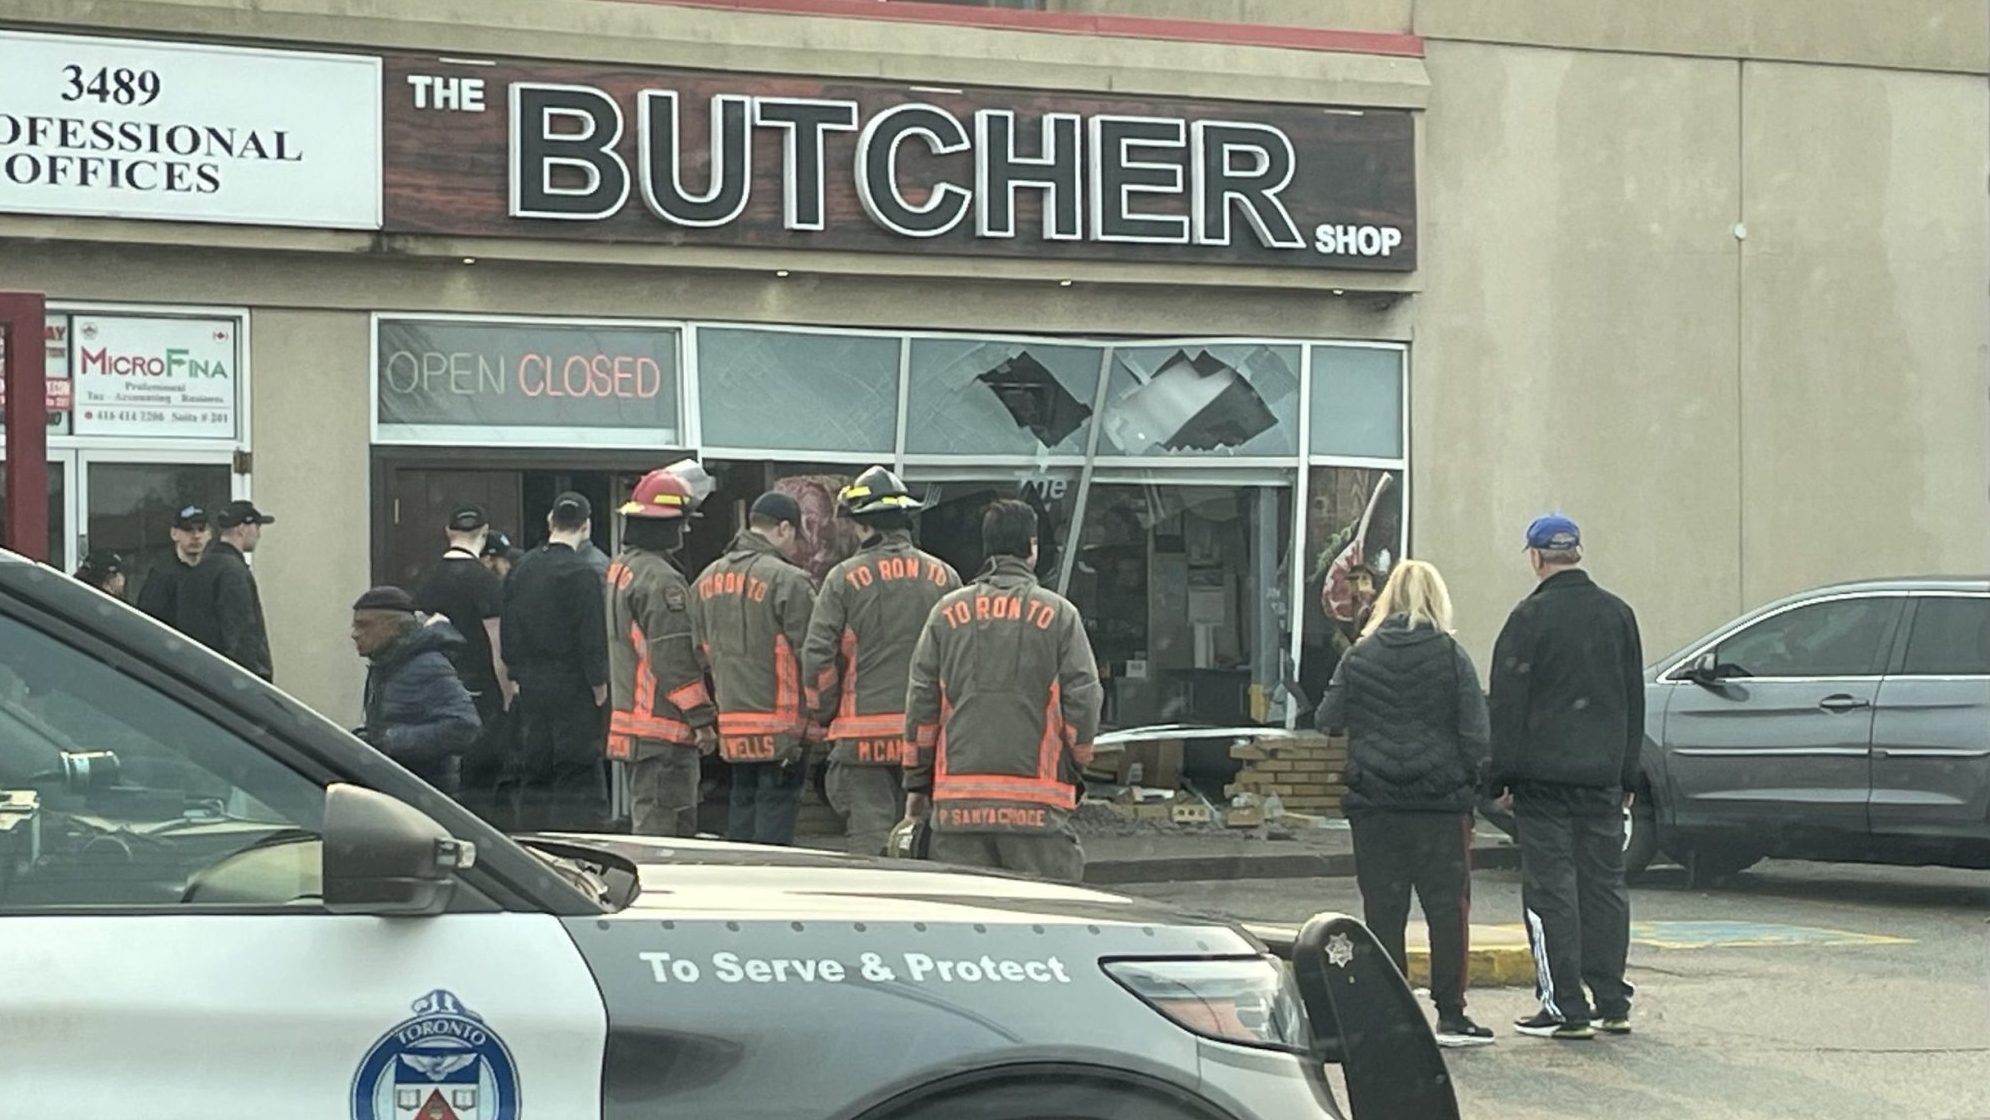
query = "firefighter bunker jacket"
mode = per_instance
[
  {"x": 750, "y": 611},
  {"x": 859, "y": 654},
  {"x": 1003, "y": 705},
  {"x": 656, "y": 682}
]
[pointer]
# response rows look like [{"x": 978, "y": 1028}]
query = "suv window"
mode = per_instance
[
  {"x": 119, "y": 794},
  {"x": 1836, "y": 638},
  {"x": 1951, "y": 637}
]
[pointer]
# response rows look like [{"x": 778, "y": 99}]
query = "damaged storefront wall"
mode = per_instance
[{"x": 1192, "y": 492}]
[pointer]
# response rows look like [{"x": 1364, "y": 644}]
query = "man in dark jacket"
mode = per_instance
[
  {"x": 1568, "y": 721},
  {"x": 554, "y": 634},
  {"x": 160, "y": 597},
  {"x": 749, "y": 618},
  {"x": 417, "y": 711},
  {"x": 867, "y": 620},
  {"x": 1001, "y": 712},
  {"x": 219, "y": 605}
]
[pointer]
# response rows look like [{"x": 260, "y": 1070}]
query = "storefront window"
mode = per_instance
[
  {"x": 950, "y": 527},
  {"x": 1357, "y": 401},
  {"x": 762, "y": 389},
  {"x": 1354, "y": 536},
  {"x": 988, "y": 396},
  {"x": 1177, "y": 580},
  {"x": 1203, "y": 399},
  {"x": 132, "y": 505}
]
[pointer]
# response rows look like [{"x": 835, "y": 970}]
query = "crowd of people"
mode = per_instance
[
  {"x": 515, "y": 681},
  {"x": 957, "y": 715}
]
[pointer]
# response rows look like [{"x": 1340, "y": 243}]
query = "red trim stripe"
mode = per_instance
[{"x": 1078, "y": 23}]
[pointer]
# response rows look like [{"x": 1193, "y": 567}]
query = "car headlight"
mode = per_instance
[{"x": 1251, "y": 1001}]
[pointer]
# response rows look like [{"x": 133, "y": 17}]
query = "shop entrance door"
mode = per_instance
[{"x": 420, "y": 500}]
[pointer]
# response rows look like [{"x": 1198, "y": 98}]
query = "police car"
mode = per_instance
[{"x": 214, "y": 902}]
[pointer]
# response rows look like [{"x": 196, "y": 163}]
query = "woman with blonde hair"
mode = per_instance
[{"x": 1408, "y": 697}]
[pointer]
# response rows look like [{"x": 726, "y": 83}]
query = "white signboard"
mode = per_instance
[
  {"x": 170, "y": 378},
  {"x": 123, "y": 128}
]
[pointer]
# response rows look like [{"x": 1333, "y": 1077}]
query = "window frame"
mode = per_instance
[{"x": 1897, "y": 663}]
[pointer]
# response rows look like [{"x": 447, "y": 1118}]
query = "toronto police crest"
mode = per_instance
[{"x": 442, "y": 1063}]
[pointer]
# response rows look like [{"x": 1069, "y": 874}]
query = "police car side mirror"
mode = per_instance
[{"x": 385, "y": 857}]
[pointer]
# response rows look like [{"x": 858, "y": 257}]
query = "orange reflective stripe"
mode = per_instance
[
  {"x": 1054, "y": 795},
  {"x": 787, "y": 680},
  {"x": 882, "y": 725},
  {"x": 649, "y": 727},
  {"x": 1050, "y": 748},
  {"x": 621, "y": 747},
  {"x": 690, "y": 696},
  {"x": 758, "y": 723},
  {"x": 848, "y": 710}
]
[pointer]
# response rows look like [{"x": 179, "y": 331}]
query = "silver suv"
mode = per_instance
[{"x": 1849, "y": 723}]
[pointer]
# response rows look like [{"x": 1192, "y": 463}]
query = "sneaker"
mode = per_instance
[
  {"x": 1453, "y": 1033},
  {"x": 1544, "y": 1025},
  {"x": 1614, "y": 1026}
]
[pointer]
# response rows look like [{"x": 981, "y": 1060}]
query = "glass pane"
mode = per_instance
[
  {"x": 1951, "y": 637},
  {"x": 1833, "y": 639},
  {"x": 132, "y": 505},
  {"x": 189, "y": 793},
  {"x": 1354, "y": 535},
  {"x": 977, "y": 396},
  {"x": 1357, "y": 402},
  {"x": 950, "y": 527},
  {"x": 58, "y": 488},
  {"x": 1178, "y": 586},
  {"x": 784, "y": 390},
  {"x": 1232, "y": 398}
]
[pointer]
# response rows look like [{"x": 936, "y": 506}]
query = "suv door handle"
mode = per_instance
[{"x": 1843, "y": 702}]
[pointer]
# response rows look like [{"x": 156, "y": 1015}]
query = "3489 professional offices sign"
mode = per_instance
[
  {"x": 127, "y": 128},
  {"x": 574, "y": 151}
]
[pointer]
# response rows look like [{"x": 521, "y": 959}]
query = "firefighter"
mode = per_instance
[
  {"x": 750, "y": 612},
  {"x": 1001, "y": 711},
  {"x": 662, "y": 718},
  {"x": 859, "y": 655}
]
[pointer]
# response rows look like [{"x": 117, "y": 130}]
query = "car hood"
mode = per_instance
[{"x": 720, "y": 879}]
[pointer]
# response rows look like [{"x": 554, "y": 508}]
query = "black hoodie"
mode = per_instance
[{"x": 1409, "y": 700}]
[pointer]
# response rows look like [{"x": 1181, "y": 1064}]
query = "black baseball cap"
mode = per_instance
[
  {"x": 573, "y": 505},
  {"x": 497, "y": 544},
  {"x": 467, "y": 519},
  {"x": 385, "y": 599},
  {"x": 101, "y": 565},
  {"x": 776, "y": 506},
  {"x": 190, "y": 517},
  {"x": 241, "y": 512}
]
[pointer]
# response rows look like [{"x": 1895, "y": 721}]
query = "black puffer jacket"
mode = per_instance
[
  {"x": 417, "y": 710},
  {"x": 1409, "y": 700}
]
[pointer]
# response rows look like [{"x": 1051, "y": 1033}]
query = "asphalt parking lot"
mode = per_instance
[{"x": 1798, "y": 989}]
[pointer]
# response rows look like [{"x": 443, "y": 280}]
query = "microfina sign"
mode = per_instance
[{"x": 805, "y": 163}]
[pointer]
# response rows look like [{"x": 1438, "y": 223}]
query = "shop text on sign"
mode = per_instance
[{"x": 545, "y": 149}]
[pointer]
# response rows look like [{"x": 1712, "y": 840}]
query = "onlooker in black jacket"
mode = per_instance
[
  {"x": 1568, "y": 720},
  {"x": 219, "y": 606},
  {"x": 160, "y": 597},
  {"x": 417, "y": 711},
  {"x": 1408, "y": 697},
  {"x": 554, "y": 635}
]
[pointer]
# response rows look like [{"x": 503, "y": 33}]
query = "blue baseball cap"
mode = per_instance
[{"x": 1554, "y": 533}]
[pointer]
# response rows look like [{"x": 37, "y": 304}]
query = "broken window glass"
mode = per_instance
[
  {"x": 989, "y": 396},
  {"x": 795, "y": 390},
  {"x": 1229, "y": 398}
]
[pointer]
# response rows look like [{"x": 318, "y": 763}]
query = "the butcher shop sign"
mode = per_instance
[{"x": 573, "y": 151}]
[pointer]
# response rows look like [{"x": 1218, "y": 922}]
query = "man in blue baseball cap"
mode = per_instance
[{"x": 1567, "y": 722}]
